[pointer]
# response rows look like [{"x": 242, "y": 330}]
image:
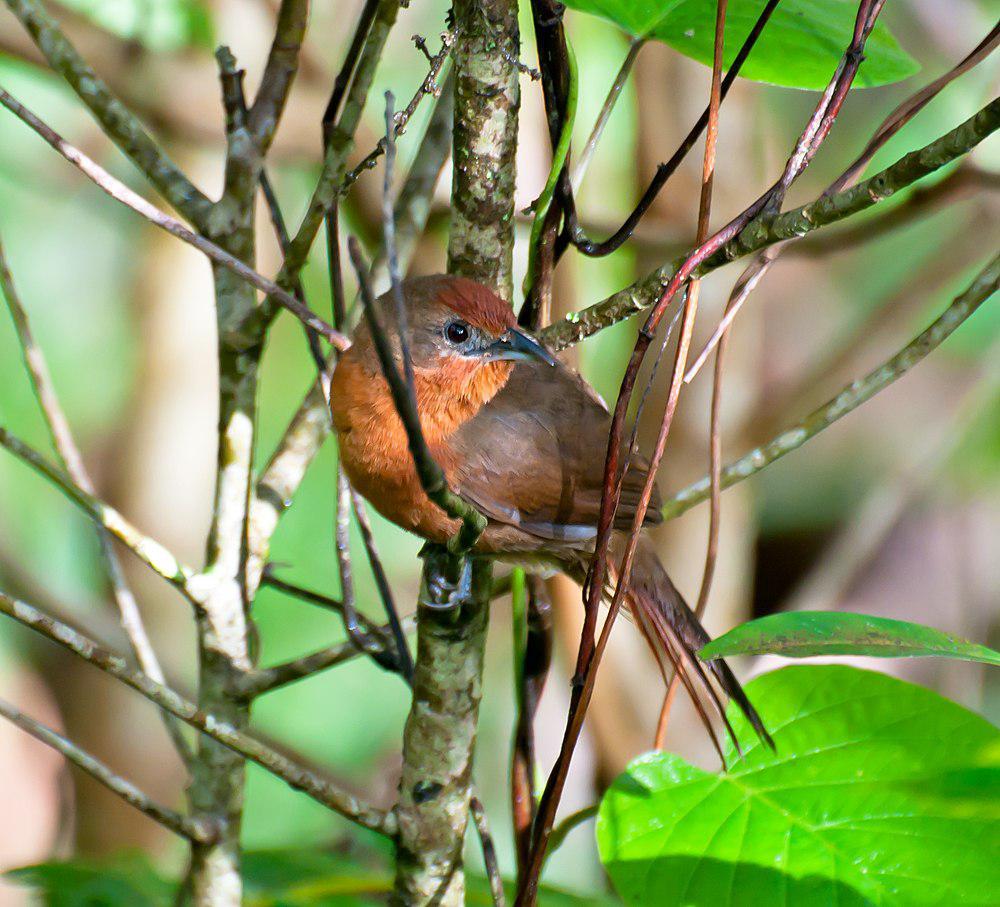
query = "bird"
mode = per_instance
[{"x": 522, "y": 437}]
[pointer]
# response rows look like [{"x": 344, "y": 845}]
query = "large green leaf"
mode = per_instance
[
  {"x": 879, "y": 792},
  {"x": 799, "y": 48},
  {"x": 800, "y": 634}
]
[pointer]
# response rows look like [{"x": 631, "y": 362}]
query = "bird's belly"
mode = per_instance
[{"x": 391, "y": 486}]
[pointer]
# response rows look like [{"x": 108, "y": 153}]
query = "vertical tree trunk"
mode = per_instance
[
  {"x": 438, "y": 744},
  {"x": 487, "y": 99},
  {"x": 440, "y": 732}
]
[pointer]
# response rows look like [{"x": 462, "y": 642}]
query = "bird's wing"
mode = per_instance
[{"x": 533, "y": 457}]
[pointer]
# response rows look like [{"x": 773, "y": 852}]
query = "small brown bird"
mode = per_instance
[{"x": 520, "y": 436}]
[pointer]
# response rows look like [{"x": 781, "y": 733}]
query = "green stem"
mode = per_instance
[{"x": 558, "y": 162}]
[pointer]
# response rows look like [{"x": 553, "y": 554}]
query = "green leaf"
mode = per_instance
[
  {"x": 125, "y": 881},
  {"x": 160, "y": 25},
  {"x": 879, "y": 792},
  {"x": 799, "y": 48},
  {"x": 804, "y": 633}
]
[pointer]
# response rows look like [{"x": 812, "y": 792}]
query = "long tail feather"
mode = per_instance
[{"x": 658, "y": 605}]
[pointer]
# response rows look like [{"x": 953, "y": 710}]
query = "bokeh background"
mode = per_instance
[{"x": 894, "y": 511}]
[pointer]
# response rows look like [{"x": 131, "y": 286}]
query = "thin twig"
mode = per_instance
[
  {"x": 575, "y": 233},
  {"x": 120, "y": 192},
  {"x": 297, "y": 776},
  {"x": 149, "y": 551},
  {"x": 339, "y": 135},
  {"x": 848, "y": 399},
  {"x": 691, "y": 303},
  {"x": 72, "y": 461},
  {"x": 264, "y": 680},
  {"x": 404, "y": 660},
  {"x": 193, "y": 830},
  {"x": 895, "y": 121},
  {"x": 430, "y": 86},
  {"x": 614, "y": 92}
]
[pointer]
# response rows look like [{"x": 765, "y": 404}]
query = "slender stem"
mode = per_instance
[
  {"x": 193, "y": 830},
  {"x": 849, "y": 398},
  {"x": 120, "y": 192},
  {"x": 614, "y": 92},
  {"x": 309, "y": 782},
  {"x": 149, "y": 551},
  {"x": 264, "y": 680}
]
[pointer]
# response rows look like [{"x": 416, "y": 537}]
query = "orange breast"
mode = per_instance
[{"x": 373, "y": 444}]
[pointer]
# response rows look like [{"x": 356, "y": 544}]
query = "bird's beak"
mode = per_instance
[{"x": 515, "y": 345}]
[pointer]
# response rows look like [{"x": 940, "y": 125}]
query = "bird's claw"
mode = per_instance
[{"x": 448, "y": 581}]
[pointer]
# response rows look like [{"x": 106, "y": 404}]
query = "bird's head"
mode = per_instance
[
  {"x": 454, "y": 322},
  {"x": 463, "y": 341}
]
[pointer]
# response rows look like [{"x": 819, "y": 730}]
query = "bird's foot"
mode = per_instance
[{"x": 447, "y": 579}]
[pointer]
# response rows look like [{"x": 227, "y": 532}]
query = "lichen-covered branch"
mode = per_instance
[
  {"x": 487, "y": 101},
  {"x": 288, "y": 770},
  {"x": 850, "y": 398},
  {"x": 768, "y": 229},
  {"x": 438, "y": 742},
  {"x": 121, "y": 126}
]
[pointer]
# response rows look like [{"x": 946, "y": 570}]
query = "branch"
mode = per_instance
[
  {"x": 72, "y": 462},
  {"x": 120, "y": 125},
  {"x": 120, "y": 192},
  {"x": 665, "y": 170},
  {"x": 264, "y": 680},
  {"x": 429, "y": 86},
  {"x": 850, "y": 398},
  {"x": 767, "y": 229},
  {"x": 191, "y": 829},
  {"x": 149, "y": 551},
  {"x": 289, "y": 771},
  {"x": 279, "y": 72}
]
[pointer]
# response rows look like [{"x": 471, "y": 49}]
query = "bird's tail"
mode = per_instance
[{"x": 675, "y": 635}]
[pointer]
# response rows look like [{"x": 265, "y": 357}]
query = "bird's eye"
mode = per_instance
[{"x": 456, "y": 332}]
